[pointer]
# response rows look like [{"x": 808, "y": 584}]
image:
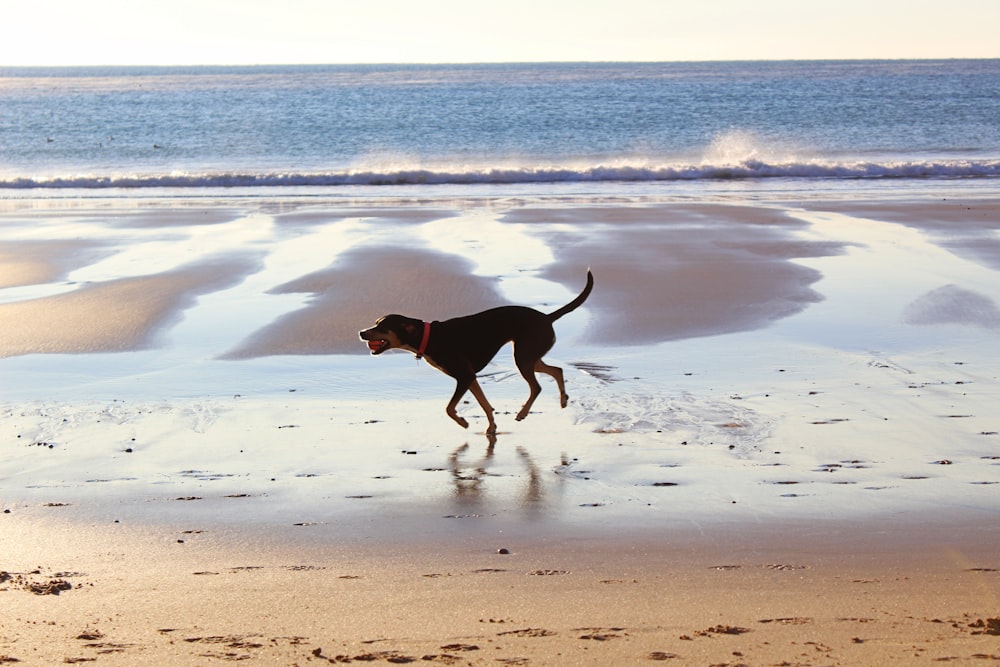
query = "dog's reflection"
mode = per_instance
[{"x": 469, "y": 475}]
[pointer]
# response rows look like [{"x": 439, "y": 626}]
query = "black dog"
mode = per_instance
[{"x": 461, "y": 347}]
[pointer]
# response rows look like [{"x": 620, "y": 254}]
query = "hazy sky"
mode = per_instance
[{"x": 89, "y": 32}]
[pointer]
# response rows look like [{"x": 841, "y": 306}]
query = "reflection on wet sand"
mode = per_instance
[{"x": 468, "y": 475}]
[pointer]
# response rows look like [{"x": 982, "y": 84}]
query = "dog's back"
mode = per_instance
[{"x": 477, "y": 338}]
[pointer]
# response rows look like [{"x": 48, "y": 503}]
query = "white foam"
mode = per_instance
[{"x": 642, "y": 170}]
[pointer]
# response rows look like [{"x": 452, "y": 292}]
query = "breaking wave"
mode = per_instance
[{"x": 743, "y": 170}]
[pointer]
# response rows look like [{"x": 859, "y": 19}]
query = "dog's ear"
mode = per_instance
[{"x": 410, "y": 328}]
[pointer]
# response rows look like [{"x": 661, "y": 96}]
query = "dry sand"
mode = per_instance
[
  {"x": 781, "y": 446},
  {"x": 812, "y": 593}
]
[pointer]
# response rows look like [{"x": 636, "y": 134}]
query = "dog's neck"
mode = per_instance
[{"x": 423, "y": 341}]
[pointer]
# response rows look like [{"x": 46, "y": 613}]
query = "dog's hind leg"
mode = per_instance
[
  {"x": 528, "y": 370},
  {"x": 557, "y": 375}
]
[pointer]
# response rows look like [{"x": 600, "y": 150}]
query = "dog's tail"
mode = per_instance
[{"x": 578, "y": 301}]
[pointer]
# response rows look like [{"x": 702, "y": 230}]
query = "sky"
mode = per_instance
[{"x": 230, "y": 32}]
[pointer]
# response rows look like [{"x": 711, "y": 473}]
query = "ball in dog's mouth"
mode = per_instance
[{"x": 378, "y": 346}]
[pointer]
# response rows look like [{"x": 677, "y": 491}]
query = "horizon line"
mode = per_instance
[
  {"x": 393, "y": 63},
  {"x": 396, "y": 63}
]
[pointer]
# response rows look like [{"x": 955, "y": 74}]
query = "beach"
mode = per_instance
[{"x": 781, "y": 445}]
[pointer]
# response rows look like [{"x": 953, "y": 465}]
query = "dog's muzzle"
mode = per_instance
[{"x": 375, "y": 345}]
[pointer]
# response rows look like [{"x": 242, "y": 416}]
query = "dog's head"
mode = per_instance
[{"x": 393, "y": 332}]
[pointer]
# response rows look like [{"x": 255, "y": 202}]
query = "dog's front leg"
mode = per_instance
[
  {"x": 461, "y": 387},
  {"x": 477, "y": 391}
]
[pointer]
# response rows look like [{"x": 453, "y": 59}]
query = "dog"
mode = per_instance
[{"x": 462, "y": 346}]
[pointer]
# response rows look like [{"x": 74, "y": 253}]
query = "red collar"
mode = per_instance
[{"x": 423, "y": 341}]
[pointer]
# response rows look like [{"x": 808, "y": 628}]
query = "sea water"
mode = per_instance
[{"x": 542, "y": 126}]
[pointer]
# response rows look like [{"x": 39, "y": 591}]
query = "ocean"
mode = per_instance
[{"x": 566, "y": 126}]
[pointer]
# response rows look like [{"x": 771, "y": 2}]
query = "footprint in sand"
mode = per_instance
[
  {"x": 722, "y": 630},
  {"x": 600, "y": 634},
  {"x": 528, "y": 632},
  {"x": 459, "y": 647},
  {"x": 792, "y": 620}
]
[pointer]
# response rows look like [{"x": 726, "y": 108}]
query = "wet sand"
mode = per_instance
[{"x": 781, "y": 446}]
